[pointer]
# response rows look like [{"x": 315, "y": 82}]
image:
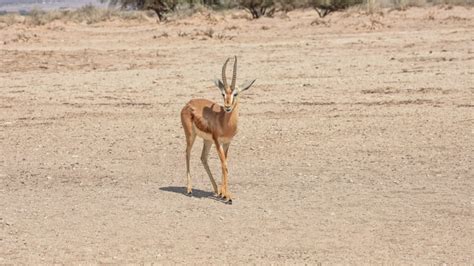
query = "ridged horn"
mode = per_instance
[
  {"x": 224, "y": 78},
  {"x": 234, "y": 74}
]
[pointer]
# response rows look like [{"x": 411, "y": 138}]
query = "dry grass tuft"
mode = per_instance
[
  {"x": 319, "y": 21},
  {"x": 232, "y": 27},
  {"x": 429, "y": 16}
]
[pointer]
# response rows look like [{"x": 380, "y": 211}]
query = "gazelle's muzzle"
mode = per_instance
[{"x": 228, "y": 102}]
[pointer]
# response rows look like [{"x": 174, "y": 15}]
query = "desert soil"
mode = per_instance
[{"x": 354, "y": 145}]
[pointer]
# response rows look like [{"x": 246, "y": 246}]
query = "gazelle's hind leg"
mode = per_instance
[
  {"x": 189, "y": 146},
  {"x": 186, "y": 120},
  {"x": 226, "y": 149},
  {"x": 204, "y": 155}
]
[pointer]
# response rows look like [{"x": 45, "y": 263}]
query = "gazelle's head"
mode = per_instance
[{"x": 231, "y": 93}]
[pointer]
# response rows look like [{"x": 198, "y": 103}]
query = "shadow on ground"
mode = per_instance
[{"x": 197, "y": 193}]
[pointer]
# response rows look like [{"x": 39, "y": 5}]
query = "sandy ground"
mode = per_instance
[{"x": 354, "y": 146}]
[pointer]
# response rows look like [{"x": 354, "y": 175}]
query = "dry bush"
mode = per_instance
[
  {"x": 372, "y": 6},
  {"x": 404, "y": 4},
  {"x": 87, "y": 14},
  {"x": 454, "y": 2},
  {"x": 90, "y": 14},
  {"x": 36, "y": 17},
  {"x": 161, "y": 7},
  {"x": 286, "y": 6},
  {"x": 258, "y": 8},
  {"x": 186, "y": 10},
  {"x": 137, "y": 15},
  {"x": 325, "y": 7},
  {"x": 11, "y": 18}
]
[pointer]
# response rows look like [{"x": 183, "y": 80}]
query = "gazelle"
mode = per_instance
[{"x": 216, "y": 125}]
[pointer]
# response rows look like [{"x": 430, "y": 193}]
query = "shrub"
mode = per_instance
[
  {"x": 258, "y": 8},
  {"x": 161, "y": 7},
  {"x": 324, "y": 7},
  {"x": 289, "y": 5}
]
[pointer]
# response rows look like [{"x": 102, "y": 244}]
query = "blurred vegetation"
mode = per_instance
[
  {"x": 159, "y": 9},
  {"x": 259, "y": 8},
  {"x": 87, "y": 14},
  {"x": 324, "y": 7}
]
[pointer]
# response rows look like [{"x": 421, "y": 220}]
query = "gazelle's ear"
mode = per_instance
[
  {"x": 247, "y": 85},
  {"x": 220, "y": 85}
]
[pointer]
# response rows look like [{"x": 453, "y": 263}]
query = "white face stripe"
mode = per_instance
[{"x": 232, "y": 95}]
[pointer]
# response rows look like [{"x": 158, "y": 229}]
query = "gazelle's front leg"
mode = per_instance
[{"x": 224, "y": 192}]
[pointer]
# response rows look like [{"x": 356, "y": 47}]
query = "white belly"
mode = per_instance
[
  {"x": 202, "y": 134},
  {"x": 208, "y": 136}
]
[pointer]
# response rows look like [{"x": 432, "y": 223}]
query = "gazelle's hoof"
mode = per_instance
[
  {"x": 189, "y": 194},
  {"x": 229, "y": 202}
]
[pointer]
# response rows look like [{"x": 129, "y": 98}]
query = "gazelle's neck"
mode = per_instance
[{"x": 233, "y": 117}]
